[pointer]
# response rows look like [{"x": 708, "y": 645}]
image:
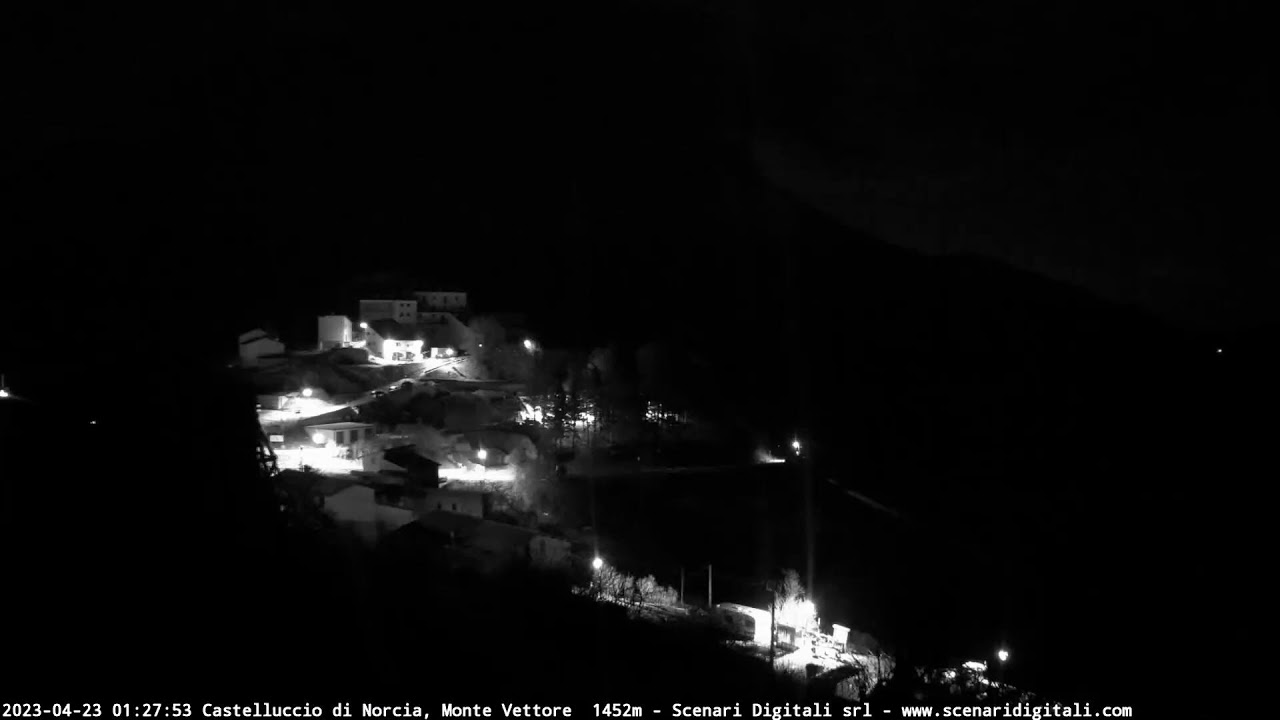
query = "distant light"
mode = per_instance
[
  {"x": 975, "y": 666},
  {"x": 93, "y": 422},
  {"x": 306, "y": 392},
  {"x": 364, "y": 326},
  {"x": 4, "y": 393},
  {"x": 1219, "y": 350},
  {"x": 1003, "y": 655},
  {"x": 482, "y": 453},
  {"x": 795, "y": 445},
  {"x": 528, "y": 344},
  {"x": 318, "y": 438},
  {"x": 597, "y": 563}
]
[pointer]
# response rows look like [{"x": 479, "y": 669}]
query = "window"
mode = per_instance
[
  {"x": 341, "y": 437},
  {"x": 455, "y": 507}
]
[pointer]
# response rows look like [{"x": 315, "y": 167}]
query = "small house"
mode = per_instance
[
  {"x": 257, "y": 347},
  {"x": 747, "y": 622},
  {"x": 340, "y": 434}
]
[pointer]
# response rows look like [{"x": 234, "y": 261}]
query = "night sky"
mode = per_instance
[
  {"x": 1041, "y": 216},
  {"x": 524, "y": 153}
]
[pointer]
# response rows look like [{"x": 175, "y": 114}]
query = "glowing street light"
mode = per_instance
[
  {"x": 795, "y": 445},
  {"x": 4, "y": 393},
  {"x": 482, "y": 453},
  {"x": 528, "y": 344},
  {"x": 307, "y": 392},
  {"x": 1003, "y": 655},
  {"x": 597, "y": 563},
  {"x": 318, "y": 438},
  {"x": 364, "y": 326}
]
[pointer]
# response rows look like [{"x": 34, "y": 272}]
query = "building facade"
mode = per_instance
[
  {"x": 333, "y": 331},
  {"x": 393, "y": 341},
  {"x": 401, "y": 311},
  {"x": 341, "y": 434},
  {"x": 440, "y": 300}
]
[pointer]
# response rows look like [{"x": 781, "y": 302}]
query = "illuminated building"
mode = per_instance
[
  {"x": 333, "y": 331},
  {"x": 395, "y": 342}
]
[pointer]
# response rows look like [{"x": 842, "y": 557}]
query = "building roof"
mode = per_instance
[
  {"x": 339, "y": 426},
  {"x": 745, "y": 609},
  {"x": 483, "y": 534},
  {"x": 256, "y": 334},
  {"x": 408, "y": 457}
]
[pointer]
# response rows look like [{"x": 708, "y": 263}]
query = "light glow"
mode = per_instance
[
  {"x": 4, "y": 393},
  {"x": 797, "y": 613},
  {"x": 317, "y": 438},
  {"x": 485, "y": 475},
  {"x": 528, "y": 344},
  {"x": 482, "y": 453},
  {"x": 1003, "y": 655},
  {"x": 307, "y": 392},
  {"x": 597, "y": 563},
  {"x": 364, "y": 326}
]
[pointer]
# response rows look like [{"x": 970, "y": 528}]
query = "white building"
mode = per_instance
[
  {"x": 394, "y": 342},
  {"x": 340, "y": 434},
  {"x": 446, "y": 301},
  {"x": 401, "y": 311},
  {"x": 334, "y": 331},
  {"x": 256, "y": 347}
]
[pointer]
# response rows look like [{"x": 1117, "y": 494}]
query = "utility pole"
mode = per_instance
[
  {"x": 808, "y": 524},
  {"x": 682, "y": 585},
  {"x": 773, "y": 629},
  {"x": 709, "y": 603}
]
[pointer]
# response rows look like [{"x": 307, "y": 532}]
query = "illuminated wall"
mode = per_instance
[{"x": 391, "y": 347}]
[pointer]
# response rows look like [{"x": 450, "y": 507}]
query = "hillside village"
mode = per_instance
[{"x": 394, "y": 431}]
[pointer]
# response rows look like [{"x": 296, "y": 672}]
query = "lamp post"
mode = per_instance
[{"x": 481, "y": 454}]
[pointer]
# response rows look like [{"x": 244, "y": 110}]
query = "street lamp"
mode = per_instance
[
  {"x": 482, "y": 453},
  {"x": 1003, "y": 655},
  {"x": 4, "y": 393},
  {"x": 318, "y": 438},
  {"x": 364, "y": 326},
  {"x": 528, "y": 344},
  {"x": 306, "y": 392},
  {"x": 597, "y": 563},
  {"x": 795, "y": 445}
]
